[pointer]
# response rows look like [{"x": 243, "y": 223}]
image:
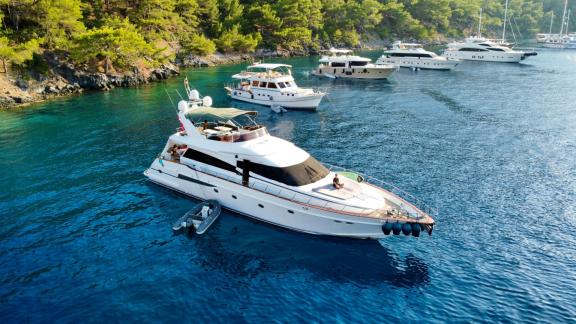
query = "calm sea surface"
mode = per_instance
[{"x": 84, "y": 237}]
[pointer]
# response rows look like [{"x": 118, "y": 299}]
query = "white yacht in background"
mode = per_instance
[
  {"x": 222, "y": 154},
  {"x": 482, "y": 49},
  {"x": 273, "y": 85},
  {"x": 342, "y": 63},
  {"x": 478, "y": 48},
  {"x": 414, "y": 56}
]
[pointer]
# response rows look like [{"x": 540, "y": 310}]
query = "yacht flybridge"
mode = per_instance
[
  {"x": 342, "y": 63},
  {"x": 222, "y": 154},
  {"x": 482, "y": 49},
  {"x": 273, "y": 85},
  {"x": 416, "y": 57}
]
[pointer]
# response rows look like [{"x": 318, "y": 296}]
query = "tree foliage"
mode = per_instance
[
  {"x": 117, "y": 42},
  {"x": 126, "y": 33}
]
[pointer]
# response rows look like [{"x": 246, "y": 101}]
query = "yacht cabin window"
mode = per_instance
[
  {"x": 263, "y": 84},
  {"x": 272, "y": 85},
  {"x": 358, "y": 63},
  {"x": 208, "y": 159},
  {"x": 410, "y": 55},
  {"x": 296, "y": 175},
  {"x": 338, "y": 64},
  {"x": 470, "y": 49},
  {"x": 281, "y": 85},
  {"x": 496, "y": 49},
  {"x": 254, "y": 83}
]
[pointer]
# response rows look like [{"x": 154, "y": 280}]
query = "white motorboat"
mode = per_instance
[
  {"x": 342, "y": 63},
  {"x": 222, "y": 154},
  {"x": 482, "y": 49},
  {"x": 414, "y": 56},
  {"x": 478, "y": 48},
  {"x": 273, "y": 85}
]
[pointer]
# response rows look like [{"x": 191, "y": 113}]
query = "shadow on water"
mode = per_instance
[
  {"x": 249, "y": 249},
  {"x": 458, "y": 108},
  {"x": 245, "y": 248}
]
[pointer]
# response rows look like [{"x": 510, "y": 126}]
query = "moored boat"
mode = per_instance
[
  {"x": 342, "y": 63},
  {"x": 223, "y": 154},
  {"x": 410, "y": 55},
  {"x": 273, "y": 85}
]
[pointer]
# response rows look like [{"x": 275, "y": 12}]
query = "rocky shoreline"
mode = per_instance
[{"x": 65, "y": 79}]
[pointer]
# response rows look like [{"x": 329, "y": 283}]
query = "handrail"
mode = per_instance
[
  {"x": 410, "y": 198},
  {"x": 422, "y": 209}
]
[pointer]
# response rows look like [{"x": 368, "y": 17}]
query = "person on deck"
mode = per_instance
[
  {"x": 336, "y": 182},
  {"x": 174, "y": 153},
  {"x": 205, "y": 125}
]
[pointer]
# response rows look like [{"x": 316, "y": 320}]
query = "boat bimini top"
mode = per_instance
[
  {"x": 216, "y": 114},
  {"x": 264, "y": 71}
]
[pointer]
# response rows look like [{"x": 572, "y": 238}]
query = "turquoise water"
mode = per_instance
[{"x": 84, "y": 237}]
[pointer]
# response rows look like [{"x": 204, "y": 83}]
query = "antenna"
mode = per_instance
[
  {"x": 178, "y": 92},
  {"x": 551, "y": 21},
  {"x": 480, "y": 24},
  {"x": 568, "y": 19},
  {"x": 173, "y": 105},
  {"x": 563, "y": 17},
  {"x": 506, "y": 18},
  {"x": 186, "y": 87}
]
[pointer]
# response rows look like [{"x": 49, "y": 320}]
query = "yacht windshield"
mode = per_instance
[
  {"x": 300, "y": 174},
  {"x": 358, "y": 63}
]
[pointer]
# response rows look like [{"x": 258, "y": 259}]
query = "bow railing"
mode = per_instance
[{"x": 404, "y": 195}]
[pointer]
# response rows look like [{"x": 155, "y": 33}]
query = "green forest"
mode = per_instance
[{"x": 123, "y": 34}]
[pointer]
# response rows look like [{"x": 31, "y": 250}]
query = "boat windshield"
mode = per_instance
[{"x": 296, "y": 175}]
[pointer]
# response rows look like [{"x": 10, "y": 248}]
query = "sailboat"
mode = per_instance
[{"x": 564, "y": 39}]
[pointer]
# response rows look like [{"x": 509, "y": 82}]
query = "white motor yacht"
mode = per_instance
[
  {"x": 273, "y": 85},
  {"x": 482, "y": 49},
  {"x": 342, "y": 63},
  {"x": 416, "y": 57},
  {"x": 222, "y": 154}
]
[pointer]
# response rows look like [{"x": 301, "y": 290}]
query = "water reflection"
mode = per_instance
[{"x": 246, "y": 248}]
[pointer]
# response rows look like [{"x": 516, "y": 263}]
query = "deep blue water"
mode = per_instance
[{"x": 84, "y": 237}]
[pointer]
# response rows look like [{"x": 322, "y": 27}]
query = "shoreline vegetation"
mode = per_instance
[{"x": 51, "y": 48}]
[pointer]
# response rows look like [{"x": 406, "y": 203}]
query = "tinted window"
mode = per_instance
[
  {"x": 301, "y": 174},
  {"x": 358, "y": 63},
  {"x": 263, "y": 84},
  {"x": 468, "y": 49},
  {"x": 281, "y": 84},
  {"x": 410, "y": 55},
  {"x": 254, "y": 83},
  {"x": 338, "y": 64},
  {"x": 496, "y": 49},
  {"x": 272, "y": 85},
  {"x": 208, "y": 159}
]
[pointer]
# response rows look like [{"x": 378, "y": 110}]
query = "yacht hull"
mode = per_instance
[
  {"x": 273, "y": 98},
  {"x": 501, "y": 57},
  {"x": 261, "y": 205},
  {"x": 424, "y": 64},
  {"x": 378, "y": 73}
]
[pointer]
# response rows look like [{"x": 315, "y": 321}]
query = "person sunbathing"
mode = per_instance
[{"x": 336, "y": 182}]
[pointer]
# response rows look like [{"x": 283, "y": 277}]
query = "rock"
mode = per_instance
[
  {"x": 22, "y": 84},
  {"x": 51, "y": 90}
]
